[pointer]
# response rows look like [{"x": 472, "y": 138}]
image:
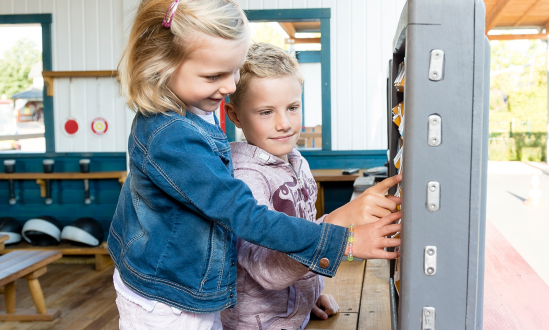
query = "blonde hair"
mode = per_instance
[
  {"x": 154, "y": 52},
  {"x": 265, "y": 60}
]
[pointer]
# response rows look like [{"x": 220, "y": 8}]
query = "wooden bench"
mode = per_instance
[
  {"x": 3, "y": 238},
  {"x": 101, "y": 254},
  {"x": 31, "y": 265}
]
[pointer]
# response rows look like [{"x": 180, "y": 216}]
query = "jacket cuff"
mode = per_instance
[{"x": 330, "y": 250}]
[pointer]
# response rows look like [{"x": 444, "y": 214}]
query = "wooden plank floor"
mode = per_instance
[{"x": 86, "y": 298}]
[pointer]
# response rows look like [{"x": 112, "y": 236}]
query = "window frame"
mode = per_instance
[
  {"x": 323, "y": 16},
  {"x": 45, "y": 21}
]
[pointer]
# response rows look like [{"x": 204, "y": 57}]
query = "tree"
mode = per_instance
[
  {"x": 16, "y": 65},
  {"x": 518, "y": 87}
]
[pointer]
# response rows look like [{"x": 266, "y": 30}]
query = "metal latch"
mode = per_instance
[
  {"x": 428, "y": 319},
  {"x": 436, "y": 65},
  {"x": 430, "y": 260},
  {"x": 435, "y": 131},
  {"x": 433, "y": 196}
]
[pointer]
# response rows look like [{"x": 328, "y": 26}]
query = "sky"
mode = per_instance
[{"x": 10, "y": 34}]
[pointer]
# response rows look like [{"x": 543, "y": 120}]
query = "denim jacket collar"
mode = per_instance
[{"x": 214, "y": 131}]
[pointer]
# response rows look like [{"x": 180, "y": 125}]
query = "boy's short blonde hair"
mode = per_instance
[
  {"x": 265, "y": 61},
  {"x": 154, "y": 52}
]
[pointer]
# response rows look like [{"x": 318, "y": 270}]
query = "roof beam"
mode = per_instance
[
  {"x": 493, "y": 17},
  {"x": 289, "y": 28},
  {"x": 527, "y": 13},
  {"x": 302, "y": 40},
  {"x": 518, "y": 36}
]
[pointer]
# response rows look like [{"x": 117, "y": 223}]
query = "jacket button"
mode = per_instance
[
  {"x": 231, "y": 295},
  {"x": 232, "y": 263},
  {"x": 324, "y": 262}
]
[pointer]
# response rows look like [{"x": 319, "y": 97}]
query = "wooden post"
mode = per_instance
[
  {"x": 9, "y": 297},
  {"x": 36, "y": 290},
  {"x": 547, "y": 136}
]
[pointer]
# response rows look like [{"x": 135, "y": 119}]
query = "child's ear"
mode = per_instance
[{"x": 232, "y": 114}]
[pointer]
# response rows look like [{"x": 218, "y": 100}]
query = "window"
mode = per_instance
[
  {"x": 307, "y": 32},
  {"x": 26, "y": 118}
]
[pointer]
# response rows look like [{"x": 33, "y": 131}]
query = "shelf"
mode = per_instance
[
  {"x": 49, "y": 75},
  {"x": 65, "y": 248},
  {"x": 120, "y": 175},
  {"x": 66, "y": 74}
]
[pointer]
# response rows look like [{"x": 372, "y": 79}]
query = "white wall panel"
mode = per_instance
[
  {"x": 76, "y": 22},
  {"x": 358, "y": 81},
  {"x": 299, "y": 4},
  {"x": 6, "y": 7},
  {"x": 91, "y": 35},
  {"x": 86, "y": 99},
  {"x": 344, "y": 76},
  {"x": 19, "y": 6},
  {"x": 270, "y": 4},
  {"x": 314, "y": 3}
]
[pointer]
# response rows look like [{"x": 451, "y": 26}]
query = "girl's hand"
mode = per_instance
[
  {"x": 370, "y": 239},
  {"x": 369, "y": 207},
  {"x": 325, "y": 305}
]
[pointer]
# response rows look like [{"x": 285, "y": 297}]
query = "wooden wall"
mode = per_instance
[{"x": 89, "y": 35}]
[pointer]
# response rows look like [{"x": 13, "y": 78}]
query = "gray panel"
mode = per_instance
[
  {"x": 478, "y": 171},
  {"x": 458, "y": 164}
]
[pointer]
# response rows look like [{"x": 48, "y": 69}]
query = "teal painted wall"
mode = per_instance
[{"x": 68, "y": 195}]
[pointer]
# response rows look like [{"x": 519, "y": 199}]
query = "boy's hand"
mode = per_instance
[
  {"x": 369, "y": 207},
  {"x": 325, "y": 305},
  {"x": 370, "y": 239}
]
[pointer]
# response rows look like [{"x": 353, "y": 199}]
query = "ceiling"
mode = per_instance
[{"x": 517, "y": 14}]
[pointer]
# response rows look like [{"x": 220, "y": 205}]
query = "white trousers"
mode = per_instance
[{"x": 135, "y": 317}]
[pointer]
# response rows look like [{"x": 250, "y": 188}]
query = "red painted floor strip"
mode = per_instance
[{"x": 515, "y": 297}]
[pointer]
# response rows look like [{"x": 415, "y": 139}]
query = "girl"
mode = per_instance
[{"x": 173, "y": 235}]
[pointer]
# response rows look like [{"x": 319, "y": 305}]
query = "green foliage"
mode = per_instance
[
  {"x": 518, "y": 100},
  {"x": 521, "y": 146},
  {"x": 16, "y": 65}
]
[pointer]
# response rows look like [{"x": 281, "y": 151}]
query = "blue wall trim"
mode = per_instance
[
  {"x": 282, "y": 15},
  {"x": 326, "y": 84},
  {"x": 25, "y": 19},
  {"x": 308, "y": 56},
  {"x": 66, "y": 162},
  {"x": 335, "y": 159},
  {"x": 47, "y": 61}
]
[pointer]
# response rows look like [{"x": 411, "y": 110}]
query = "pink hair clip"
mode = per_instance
[{"x": 168, "y": 22}]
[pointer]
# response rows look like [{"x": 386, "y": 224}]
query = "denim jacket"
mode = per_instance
[{"x": 173, "y": 234}]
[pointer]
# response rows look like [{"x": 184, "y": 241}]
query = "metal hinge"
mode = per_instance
[
  {"x": 436, "y": 65},
  {"x": 435, "y": 131},
  {"x": 430, "y": 260},
  {"x": 433, "y": 196},
  {"x": 428, "y": 318}
]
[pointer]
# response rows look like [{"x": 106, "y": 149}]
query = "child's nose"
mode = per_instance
[
  {"x": 283, "y": 122},
  {"x": 228, "y": 85}
]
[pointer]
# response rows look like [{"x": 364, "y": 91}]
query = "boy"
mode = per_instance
[{"x": 274, "y": 291}]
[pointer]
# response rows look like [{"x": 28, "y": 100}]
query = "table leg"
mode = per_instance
[
  {"x": 9, "y": 297},
  {"x": 319, "y": 200}
]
